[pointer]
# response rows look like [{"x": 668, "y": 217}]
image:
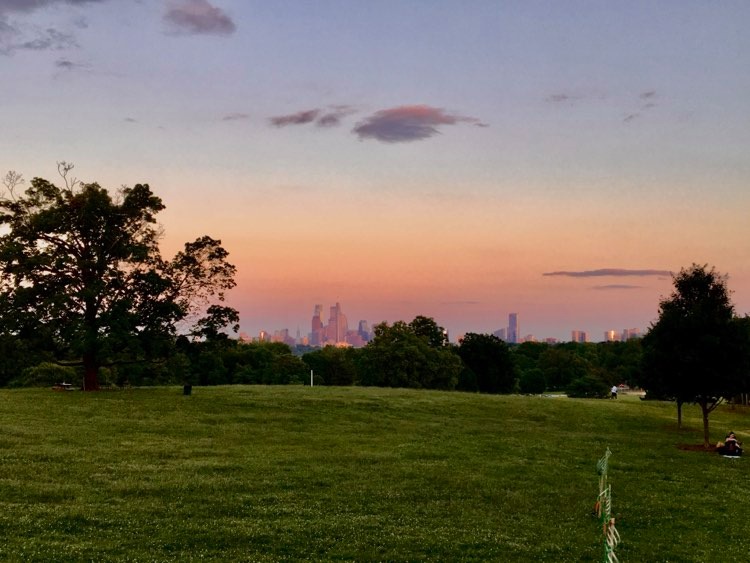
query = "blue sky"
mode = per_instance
[{"x": 407, "y": 158}]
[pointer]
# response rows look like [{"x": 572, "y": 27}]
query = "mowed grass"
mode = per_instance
[{"x": 250, "y": 473}]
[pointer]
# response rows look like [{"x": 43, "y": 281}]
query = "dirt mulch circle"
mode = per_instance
[{"x": 696, "y": 448}]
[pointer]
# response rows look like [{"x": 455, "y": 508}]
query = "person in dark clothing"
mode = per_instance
[{"x": 731, "y": 446}]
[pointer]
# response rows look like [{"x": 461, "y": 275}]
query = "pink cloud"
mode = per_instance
[
  {"x": 198, "y": 17},
  {"x": 408, "y": 123}
]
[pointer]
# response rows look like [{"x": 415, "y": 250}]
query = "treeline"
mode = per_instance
[{"x": 413, "y": 355}]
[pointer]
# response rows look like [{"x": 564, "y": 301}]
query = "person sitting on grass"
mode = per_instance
[{"x": 731, "y": 446}]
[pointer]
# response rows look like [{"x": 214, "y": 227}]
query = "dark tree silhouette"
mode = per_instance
[
  {"x": 489, "y": 359},
  {"x": 83, "y": 266},
  {"x": 696, "y": 350}
]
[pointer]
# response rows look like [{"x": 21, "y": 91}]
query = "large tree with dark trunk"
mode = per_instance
[
  {"x": 83, "y": 265},
  {"x": 696, "y": 352}
]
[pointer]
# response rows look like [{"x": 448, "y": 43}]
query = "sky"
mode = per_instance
[{"x": 457, "y": 160}]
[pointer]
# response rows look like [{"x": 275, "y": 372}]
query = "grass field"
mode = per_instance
[{"x": 297, "y": 473}]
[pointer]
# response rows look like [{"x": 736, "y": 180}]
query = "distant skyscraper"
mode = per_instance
[
  {"x": 316, "y": 335},
  {"x": 610, "y": 336},
  {"x": 500, "y": 333},
  {"x": 513, "y": 328},
  {"x": 579, "y": 336},
  {"x": 364, "y": 331},
  {"x": 337, "y": 325},
  {"x": 629, "y": 333},
  {"x": 337, "y": 329}
]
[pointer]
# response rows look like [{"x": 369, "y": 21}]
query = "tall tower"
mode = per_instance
[
  {"x": 513, "y": 328},
  {"x": 364, "y": 330},
  {"x": 580, "y": 336},
  {"x": 337, "y": 325},
  {"x": 316, "y": 334}
]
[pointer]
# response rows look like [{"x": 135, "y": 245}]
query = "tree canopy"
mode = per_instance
[
  {"x": 82, "y": 267},
  {"x": 697, "y": 349},
  {"x": 489, "y": 359},
  {"x": 400, "y": 357}
]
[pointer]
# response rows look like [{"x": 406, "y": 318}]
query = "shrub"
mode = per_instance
[
  {"x": 532, "y": 382},
  {"x": 46, "y": 374},
  {"x": 587, "y": 387}
]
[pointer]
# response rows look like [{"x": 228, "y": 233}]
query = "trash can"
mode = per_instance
[{"x": 187, "y": 389}]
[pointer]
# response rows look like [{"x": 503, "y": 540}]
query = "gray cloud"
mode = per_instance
[
  {"x": 619, "y": 272},
  {"x": 130, "y": 120},
  {"x": 19, "y": 37},
  {"x": 26, "y": 6},
  {"x": 299, "y": 118},
  {"x": 235, "y": 117},
  {"x": 329, "y": 120},
  {"x": 648, "y": 98},
  {"x": 561, "y": 98},
  {"x": 198, "y": 17},
  {"x": 330, "y": 117},
  {"x": 69, "y": 66},
  {"x": 404, "y": 124},
  {"x": 574, "y": 98},
  {"x": 12, "y": 40},
  {"x": 333, "y": 117},
  {"x": 49, "y": 39}
]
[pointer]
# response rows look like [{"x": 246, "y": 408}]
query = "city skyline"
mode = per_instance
[
  {"x": 455, "y": 160},
  {"x": 336, "y": 332}
]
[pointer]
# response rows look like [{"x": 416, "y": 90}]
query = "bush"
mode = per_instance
[
  {"x": 532, "y": 382},
  {"x": 587, "y": 387},
  {"x": 46, "y": 374}
]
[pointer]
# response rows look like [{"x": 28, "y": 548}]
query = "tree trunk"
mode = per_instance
[
  {"x": 679, "y": 414},
  {"x": 705, "y": 410},
  {"x": 90, "y": 372}
]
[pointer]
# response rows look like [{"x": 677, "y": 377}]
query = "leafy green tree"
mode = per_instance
[
  {"x": 286, "y": 369},
  {"x": 44, "y": 374},
  {"x": 620, "y": 362},
  {"x": 561, "y": 365},
  {"x": 489, "y": 358},
  {"x": 83, "y": 265},
  {"x": 398, "y": 357},
  {"x": 427, "y": 328},
  {"x": 532, "y": 382},
  {"x": 696, "y": 351},
  {"x": 269, "y": 363},
  {"x": 18, "y": 354},
  {"x": 587, "y": 387},
  {"x": 334, "y": 365}
]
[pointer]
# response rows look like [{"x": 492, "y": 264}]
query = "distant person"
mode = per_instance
[
  {"x": 731, "y": 446},
  {"x": 614, "y": 392}
]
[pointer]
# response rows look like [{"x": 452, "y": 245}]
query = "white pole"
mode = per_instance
[{"x": 311, "y": 378}]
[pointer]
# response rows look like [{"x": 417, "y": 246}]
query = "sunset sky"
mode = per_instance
[{"x": 453, "y": 159}]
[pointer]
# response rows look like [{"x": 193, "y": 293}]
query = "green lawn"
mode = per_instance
[{"x": 251, "y": 473}]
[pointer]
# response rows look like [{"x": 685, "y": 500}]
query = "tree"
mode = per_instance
[
  {"x": 562, "y": 364},
  {"x": 489, "y": 358},
  {"x": 333, "y": 365},
  {"x": 696, "y": 350},
  {"x": 84, "y": 267},
  {"x": 427, "y": 328},
  {"x": 398, "y": 357}
]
